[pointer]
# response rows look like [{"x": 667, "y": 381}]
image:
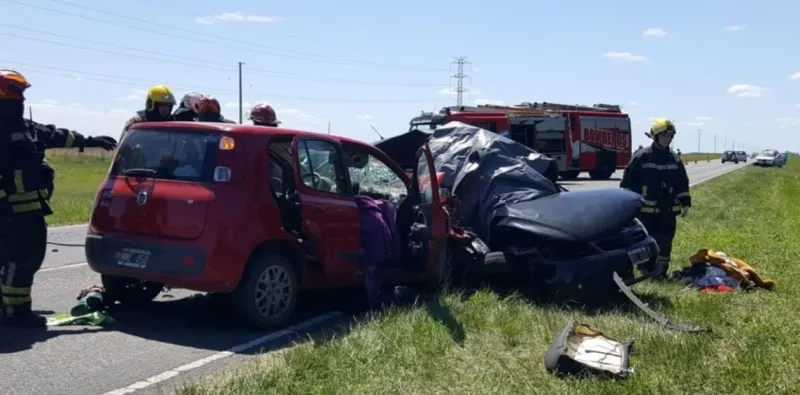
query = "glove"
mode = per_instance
[
  {"x": 105, "y": 142},
  {"x": 684, "y": 211}
]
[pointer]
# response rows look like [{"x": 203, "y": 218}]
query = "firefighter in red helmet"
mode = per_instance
[
  {"x": 263, "y": 114},
  {"x": 209, "y": 110},
  {"x": 26, "y": 185}
]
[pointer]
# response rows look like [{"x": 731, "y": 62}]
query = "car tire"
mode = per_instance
[
  {"x": 275, "y": 304},
  {"x": 129, "y": 291}
]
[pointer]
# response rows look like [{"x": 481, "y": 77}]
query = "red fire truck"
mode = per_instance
[{"x": 595, "y": 139}]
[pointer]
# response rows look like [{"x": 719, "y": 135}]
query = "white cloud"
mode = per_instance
[
  {"x": 136, "y": 94},
  {"x": 447, "y": 91},
  {"x": 634, "y": 103},
  {"x": 364, "y": 117},
  {"x": 476, "y": 69},
  {"x": 746, "y": 90},
  {"x": 245, "y": 105},
  {"x": 483, "y": 101},
  {"x": 698, "y": 120},
  {"x": 795, "y": 76},
  {"x": 798, "y": 106},
  {"x": 734, "y": 28},
  {"x": 625, "y": 56},
  {"x": 654, "y": 32},
  {"x": 77, "y": 77},
  {"x": 235, "y": 17},
  {"x": 788, "y": 122}
]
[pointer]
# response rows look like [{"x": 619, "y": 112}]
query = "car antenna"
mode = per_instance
[{"x": 376, "y": 132}]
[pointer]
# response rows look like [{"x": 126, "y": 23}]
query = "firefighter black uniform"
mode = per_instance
[
  {"x": 658, "y": 174},
  {"x": 157, "y": 107},
  {"x": 26, "y": 185}
]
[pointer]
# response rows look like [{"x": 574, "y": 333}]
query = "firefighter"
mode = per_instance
[
  {"x": 187, "y": 109},
  {"x": 157, "y": 107},
  {"x": 209, "y": 110},
  {"x": 658, "y": 174},
  {"x": 26, "y": 185},
  {"x": 263, "y": 114}
]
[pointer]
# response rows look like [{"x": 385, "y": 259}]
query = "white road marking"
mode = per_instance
[
  {"x": 715, "y": 176},
  {"x": 67, "y": 226},
  {"x": 220, "y": 355},
  {"x": 71, "y": 266}
]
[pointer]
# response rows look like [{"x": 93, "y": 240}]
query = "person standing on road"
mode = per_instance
[
  {"x": 26, "y": 185},
  {"x": 157, "y": 107},
  {"x": 263, "y": 114},
  {"x": 658, "y": 174}
]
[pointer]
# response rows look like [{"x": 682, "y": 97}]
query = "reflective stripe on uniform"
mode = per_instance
[
  {"x": 14, "y": 296},
  {"x": 683, "y": 194},
  {"x": 651, "y": 165},
  {"x": 25, "y": 201}
]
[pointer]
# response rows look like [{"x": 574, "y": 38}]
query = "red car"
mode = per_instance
[{"x": 259, "y": 213}]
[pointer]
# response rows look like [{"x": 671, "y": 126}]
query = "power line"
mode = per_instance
[
  {"x": 460, "y": 76},
  {"x": 189, "y": 61},
  {"x": 270, "y": 50},
  {"x": 111, "y": 79},
  {"x": 327, "y": 42}
]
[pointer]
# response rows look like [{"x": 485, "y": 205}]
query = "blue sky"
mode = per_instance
[{"x": 723, "y": 67}]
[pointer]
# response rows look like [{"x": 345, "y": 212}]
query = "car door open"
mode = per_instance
[
  {"x": 329, "y": 212},
  {"x": 430, "y": 211}
]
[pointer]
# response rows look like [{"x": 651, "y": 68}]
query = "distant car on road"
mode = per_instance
[
  {"x": 769, "y": 158},
  {"x": 742, "y": 156},
  {"x": 730, "y": 156}
]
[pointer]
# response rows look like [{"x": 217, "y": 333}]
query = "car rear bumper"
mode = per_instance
[
  {"x": 180, "y": 266},
  {"x": 592, "y": 276}
]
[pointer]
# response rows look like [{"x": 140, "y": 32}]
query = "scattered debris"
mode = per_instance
[
  {"x": 90, "y": 310},
  {"x": 582, "y": 350}
]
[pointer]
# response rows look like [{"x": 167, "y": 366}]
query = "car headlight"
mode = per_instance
[{"x": 637, "y": 222}]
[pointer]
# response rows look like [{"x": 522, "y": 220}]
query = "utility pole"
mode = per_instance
[
  {"x": 460, "y": 62},
  {"x": 715, "y": 143},
  {"x": 329, "y": 127},
  {"x": 241, "y": 110},
  {"x": 699, "y": 133}
]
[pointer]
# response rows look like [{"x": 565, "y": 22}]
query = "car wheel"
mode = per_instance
[
  {"x": 129, "y": 291},
  {"x": 267, "y": 294}
]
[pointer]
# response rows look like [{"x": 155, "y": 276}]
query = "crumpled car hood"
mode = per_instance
[{"x": 575, "y": 216}]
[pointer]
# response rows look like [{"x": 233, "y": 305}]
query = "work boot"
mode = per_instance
[{"x": 21, "y": 316}]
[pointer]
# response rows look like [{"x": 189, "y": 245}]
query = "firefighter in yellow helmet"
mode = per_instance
[
  {"x": 657, "y": 173},
  {"x": 158, "y": 107},
  {"x": 26, "y": 185}
]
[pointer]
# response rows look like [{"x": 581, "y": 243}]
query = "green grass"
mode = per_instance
[
  {"x": 700, "y": 156},
  {"x": 77, "y": 180},
  {"x": 750, "y": 214}
]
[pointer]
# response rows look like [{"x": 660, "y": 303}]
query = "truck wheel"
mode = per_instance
[
  {"x": 570, "y": 174},
  {"x": 603, "y": 172},
  {"x": 267, "y": 294},
  {"x": 130, "y": 291}
]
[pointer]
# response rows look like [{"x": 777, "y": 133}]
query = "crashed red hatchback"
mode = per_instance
[{"x": 259, "y": 213}]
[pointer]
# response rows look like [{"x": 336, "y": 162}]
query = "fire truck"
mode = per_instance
[{"x": 595, "y": 139}]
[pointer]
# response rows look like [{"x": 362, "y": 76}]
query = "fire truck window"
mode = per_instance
[{"x": 606, "y": 124}]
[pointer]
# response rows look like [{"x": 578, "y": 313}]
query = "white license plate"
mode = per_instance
[
  {"x": 133, "y": 257},
  {"x": 639, "y": 256}
]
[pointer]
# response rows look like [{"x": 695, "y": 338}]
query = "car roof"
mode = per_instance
[{"x": 237, "y": 129}]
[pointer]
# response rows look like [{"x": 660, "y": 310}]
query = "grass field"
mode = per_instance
[
  {"x": 496, "y": 345},
  {"x": 77, "y": 180},
  {"x": 701, "y": 156}
]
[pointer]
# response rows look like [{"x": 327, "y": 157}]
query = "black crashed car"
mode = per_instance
[{"x": 568, "y": 244}]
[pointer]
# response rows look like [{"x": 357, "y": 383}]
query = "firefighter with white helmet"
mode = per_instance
[{"x": 657, "y": 173}]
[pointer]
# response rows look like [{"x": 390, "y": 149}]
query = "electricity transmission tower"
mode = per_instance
[{"x": 460, "y": 62}]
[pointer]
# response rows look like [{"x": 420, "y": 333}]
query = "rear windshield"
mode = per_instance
[{"x": 168, "y": 155}]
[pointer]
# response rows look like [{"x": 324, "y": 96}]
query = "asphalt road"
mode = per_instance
[{"x": 184, "y": 334}]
